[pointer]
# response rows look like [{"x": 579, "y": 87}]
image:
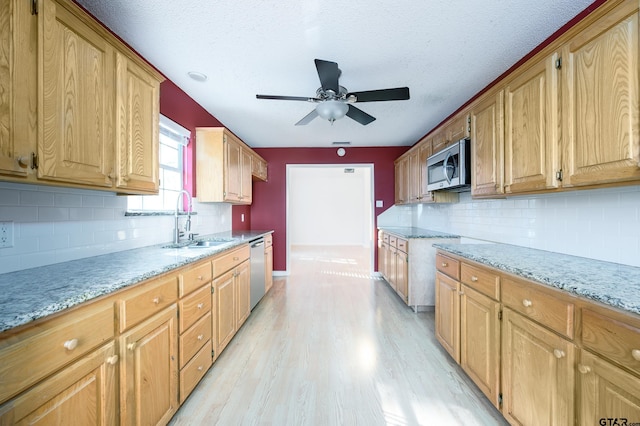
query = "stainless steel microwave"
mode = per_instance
[{"x": 450, "y": 169}]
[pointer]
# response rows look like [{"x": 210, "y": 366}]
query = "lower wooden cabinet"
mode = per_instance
[
  {"x": 537, "y": 373},
  {"x": 447, "y": 314},
  {"x": 606, "y": 392},
  {"x": 224, "y": 301},
  {"x": 85, "y": 391},
  {"x": 149, "y": 370},
  {"x": 268, "y": 262}
]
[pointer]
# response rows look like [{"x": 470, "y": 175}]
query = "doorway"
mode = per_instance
[{"x": 330, "y": 205}]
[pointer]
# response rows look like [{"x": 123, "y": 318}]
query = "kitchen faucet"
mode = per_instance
[{"x": 177, "y": 233}]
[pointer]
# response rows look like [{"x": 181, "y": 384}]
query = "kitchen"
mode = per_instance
[{"x": 595, "y": 223}]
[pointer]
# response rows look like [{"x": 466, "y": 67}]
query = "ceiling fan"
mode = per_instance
[{"x": 334, "y": 101}]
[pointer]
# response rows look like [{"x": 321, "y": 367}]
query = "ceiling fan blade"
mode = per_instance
[
  {"x": 329, "y": 74},
  {"x": 397, "y": 94},
  {"x": 307, "y": 118},
  {"x": 287, "y": 98},
  {"x": 359, "y": 115}
]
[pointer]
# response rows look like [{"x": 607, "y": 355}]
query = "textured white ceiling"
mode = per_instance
[{"x": 445, "y": 51}]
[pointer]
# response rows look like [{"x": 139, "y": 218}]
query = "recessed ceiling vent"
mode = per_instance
[
  {"x": 341, "y": 143},
  {"x": 349, "y": 170}
]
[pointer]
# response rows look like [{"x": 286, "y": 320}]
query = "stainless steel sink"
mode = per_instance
[{"x": 207, "y": 243}]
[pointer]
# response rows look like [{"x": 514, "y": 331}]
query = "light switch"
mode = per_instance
[
  {"x": 241, "y": 217},
  {"x": 379, "y": 203}
]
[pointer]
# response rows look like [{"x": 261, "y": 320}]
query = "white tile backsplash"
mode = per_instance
[
  {"x": 602, "y": 224},
  {"x": 54, "y": 224}
]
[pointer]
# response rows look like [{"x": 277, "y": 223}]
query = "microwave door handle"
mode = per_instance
[{"x": 445, "y": 166}]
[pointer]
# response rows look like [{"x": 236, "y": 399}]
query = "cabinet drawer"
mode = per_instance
[
  {"x": 548, "y": 309},
  {"x": 194, "y": 277},
  {"x": 402, "y": 245},
  {"x": 192, "y": 340},
  {"x": 385, "y": 238},
  {"x": 39, "y": 351},
  {"x": 613, "y": 339},
  {"x": 485, "y": 281},
  {"x": 191, "y": 374},
  {"x": 448, "y": 266},
  {"x": 230, "y": 259},
  {"x": 393, "y": 241},
  {"x": 268, "y": 240},
  {"x": 193, "y": 307},
  {"x": 145, "y": 301}
]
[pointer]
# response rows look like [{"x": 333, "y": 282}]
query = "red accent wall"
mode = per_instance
[
  {"x": 268, "y": 210},
  {"x": 236, "y": 218}
]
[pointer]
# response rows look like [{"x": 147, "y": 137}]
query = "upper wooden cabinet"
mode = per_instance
[
  {"x": 224, "y": 167},
  {"x": 458, "y": 127},
  {"x": 97, "y": 103},
  {"x": 600, "y": 109},
  {"x": 258, "y": 167},
  {"x": 487, "y": 132},
  {"x": 18, "y": 86}
]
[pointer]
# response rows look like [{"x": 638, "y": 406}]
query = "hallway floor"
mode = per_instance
[{"x": 330, "y": 345}]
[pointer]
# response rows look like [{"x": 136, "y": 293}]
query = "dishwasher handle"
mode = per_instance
[{"x": 257, "y": 244}]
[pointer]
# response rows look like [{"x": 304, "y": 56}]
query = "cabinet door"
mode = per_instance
[
  {"x": 225, "y": 305},
  {"x": 18, "y": 84},
  {"x": 487, "y": 146},
  {"x": 233, "y": 170},
  {"x": 459, "y": 127},
  {"x": 268, "y": 268},
  {"x": 402, "y": 275},
  {"x": 413, "y": 177},
  {"x": 600, "y": 101},
  {"x": 401, "y": 171},
  {"x": 447, "y": 314},
  {"x": 480, "y": 341},
  {"x": 137, "y": 114},
  {"x": 425, "y": 152},
  {"x": 149, "y": 370},
  {"x": 76, "y": 100},
  {"x": 392, "y": 267},
  {"x": 243, "y": 289},
  {"x": 245, "y": 177},
  {"x": 606, "y": 392},
  {"x": 537, "y": 373},
  {"x": 84, "y": 391},
  {"x": 531, "y": 128}
]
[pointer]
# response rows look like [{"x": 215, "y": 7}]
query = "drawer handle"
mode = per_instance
[
  {"x": 474, "y": 278},
  {"x": 156, "y": 300},
  {"x": 200, "y": 277},
  {"x": 71, "y": 344},
  {"x": 445, "y": 264},
  {"x": 112, "y": 360},
  {"x": 236, "y": 258},
  {"x": 526, "y": 303},
  {"x": 635, "y": 353},
  {"x": 200, "y": 336},
  {"x": 461, "y": 292},
  {"x": 584, "y": 369},
  {"x": 131, "y": 346},
  {"x": 558, "y": 353},
  {"x": 200, "y": 305}
]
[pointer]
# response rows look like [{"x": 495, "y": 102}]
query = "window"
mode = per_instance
[{"x": 173, "y": 139}]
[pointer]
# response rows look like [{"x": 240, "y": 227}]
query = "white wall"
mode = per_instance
[
  {"x": 328, "y": 206},
  {"x": 601, "y": 224},
  {"x": 53, "y": 224}
]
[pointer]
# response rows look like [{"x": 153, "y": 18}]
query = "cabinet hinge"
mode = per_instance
[
  {"x": 500, "y": 400},
  {"x": 559, "y": 175},
  {"x": 500, "y": 315},
  {"x": 34, "y": 7},
  {"x": 213, "y": 354},
  {"x": 559, "y": 63},
  {"x": 213, "y": 289},
  {"x": 34, "y": 161}
]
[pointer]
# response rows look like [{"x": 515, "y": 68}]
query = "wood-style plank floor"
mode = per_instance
[{"x": 329, "y": 345}]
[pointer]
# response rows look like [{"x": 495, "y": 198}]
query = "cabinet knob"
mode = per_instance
[
  {"x": 200, "y": 368},
  {"x": 71, "y": 344},
  {"x": 112, "y": 360},
  {"x": 200, "y": 336},
  {"x": 445, "y": 264},
  {"x": 156, "y": 300},
  {"x": 635, "y": 353},
  {"x": 200, "y": 305},
  {"x": 131, "y": 346},
  {"x": 584, "y": 369},
  {"x": 474, "y": 278},
  {"x": 23, "y": 162},
  {"x": 526, "y": 303},
  {"x": 125, "y": 178},
  {"x": 461, "y": 292},
  {"x": 236, "y": 258},
  {"x": 558, "y": 353},
  {"x": 200, "y": 277}
]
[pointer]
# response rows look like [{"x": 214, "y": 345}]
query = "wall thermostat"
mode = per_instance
[{"x": 341, "y": 152}]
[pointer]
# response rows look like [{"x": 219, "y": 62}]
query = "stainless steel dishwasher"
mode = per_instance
[{"x": 257, "y": 270}]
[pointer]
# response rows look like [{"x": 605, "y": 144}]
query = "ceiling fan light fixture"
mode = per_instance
[{"x": 332, "y": 110}]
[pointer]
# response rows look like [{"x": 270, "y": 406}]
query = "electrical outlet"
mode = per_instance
[{"x": 6, "y": 234}]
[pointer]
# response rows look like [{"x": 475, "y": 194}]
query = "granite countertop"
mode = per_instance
[
  {"x": 411, "y": 232},
  {"x": 37, "y": 292},
  {"x": 610, "y": 283}
]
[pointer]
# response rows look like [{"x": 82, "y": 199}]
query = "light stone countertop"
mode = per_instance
[
  {"x": 37, "y": 292},
  {"x": 610, "y": 283},
  {"x": 411, "y": 232}
]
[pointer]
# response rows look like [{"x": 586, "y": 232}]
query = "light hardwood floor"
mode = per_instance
[{"x": 329, "y": 345}]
